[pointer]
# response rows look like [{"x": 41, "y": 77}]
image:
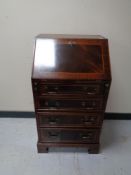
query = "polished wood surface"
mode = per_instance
[
  {"x": 69, "y": 104},
  {"x": 64, "y": 135},
  {"x": 59, "y": 60},
  {"x": 71, "y": 78},
  {"x": 72, "y": 119}
]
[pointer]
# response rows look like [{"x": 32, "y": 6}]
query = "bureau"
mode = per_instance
[{"x": 71, "y": 79}]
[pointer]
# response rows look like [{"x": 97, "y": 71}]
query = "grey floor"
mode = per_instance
[{"x": 18, "y": 154}]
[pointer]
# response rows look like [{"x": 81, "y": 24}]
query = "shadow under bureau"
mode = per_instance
[{"x": 71, "y": 79}]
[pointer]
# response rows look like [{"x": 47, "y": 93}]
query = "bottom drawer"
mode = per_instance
[{"x": 69, "y": 135}]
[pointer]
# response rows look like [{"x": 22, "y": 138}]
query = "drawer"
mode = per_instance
[
  {"x": 69, "y": 104},
  {"x": 87, "y": 89},
  {"x": 64, "y": 119},
  {"x": 69, "y": 135}
]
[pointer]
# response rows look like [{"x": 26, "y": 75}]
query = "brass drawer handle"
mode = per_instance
[
  {"x": 86, "y": 137},
  {"x": 83, "y": 104},
  {"x": 53, "y": 134},
  {"x": 88, "y": 91},
  {"x": 91, "y": 93},
  {"x": 88, "y": 120},
  {"x": 90, "y": 108},
  {"x": 53, "y": 121}
]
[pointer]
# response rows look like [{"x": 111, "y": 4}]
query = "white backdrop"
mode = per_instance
[{"x": 22, "y": 20}]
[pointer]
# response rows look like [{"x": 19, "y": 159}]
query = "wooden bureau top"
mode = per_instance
[
  {"x": 65, "y": 36},
  {"x": 71, "y": 57}
]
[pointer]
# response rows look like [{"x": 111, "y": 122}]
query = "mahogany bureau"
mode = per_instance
[{"x": 71, "y": 78}]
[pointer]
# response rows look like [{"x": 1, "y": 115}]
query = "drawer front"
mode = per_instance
[
  {"x": 89, "y": 89},
  {"x": 57, "y": 119},
  {"x": 65, "y": 135},
  {"x": 51, "y": 103}
]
